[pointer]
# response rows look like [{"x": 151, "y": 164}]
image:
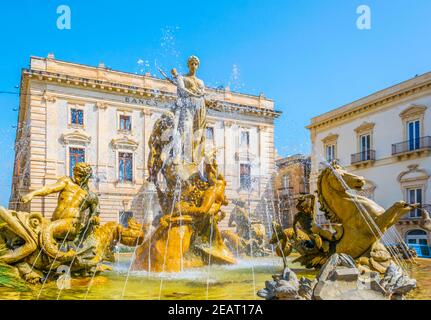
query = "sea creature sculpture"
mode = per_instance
[
  {"x": 21, "y": 235},
  {"x": 73, "y": 238},
  {"x": 358, "y": 224}
]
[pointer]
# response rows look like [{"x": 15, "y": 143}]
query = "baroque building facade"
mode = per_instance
[
  {"x": 386, "y": 138},
  {"x": 291, "y": 180},
  {"x": 71, "y": 113}
]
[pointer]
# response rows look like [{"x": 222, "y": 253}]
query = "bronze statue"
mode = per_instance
[
  {"x": 21, "y": 232},
  {"x": 190, "y": 199},
  {"x": 34, "y": 244},
  {"x": 357, "y": 221},
  {"x": 69, "y": 217},
  {"x": 191, "y": 111},
  {"x": 250, "y": 235}
]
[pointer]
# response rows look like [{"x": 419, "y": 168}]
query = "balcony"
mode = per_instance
[
  {"x": 412, "y": 147},
  {"x": 363, "y": 157}
]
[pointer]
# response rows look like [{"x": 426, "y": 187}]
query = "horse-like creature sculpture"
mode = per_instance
[{"x": 358, "y": 223}]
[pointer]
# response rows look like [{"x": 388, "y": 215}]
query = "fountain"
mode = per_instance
[
  {"x": 189, "y": 188},
  {"x": 182, "y": 253},
  {"x": 350, "y": 254},
  {"x": 249, "y": 237}
]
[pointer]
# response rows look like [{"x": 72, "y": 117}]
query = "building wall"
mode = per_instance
[
  {"x": 45, "y": 112},
  {"x": 389, "y": 175},
  {"x": 294, "y": 169}
]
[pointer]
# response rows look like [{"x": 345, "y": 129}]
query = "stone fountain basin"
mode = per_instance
[{"x": 226, "y": 282}]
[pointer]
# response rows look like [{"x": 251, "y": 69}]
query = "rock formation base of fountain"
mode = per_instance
[{"x": 339, "y": 279}]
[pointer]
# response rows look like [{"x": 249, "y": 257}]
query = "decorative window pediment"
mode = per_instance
[
  {"x": 330, "y": 138},
  {"x": 244, "y": 156},
  {"x": 365, "y": 127},
  {"x": 124, "y": 143},
  {"x": 413, "y": 111},
  {"x": 76, "y": 137},
  {"x": 413, "y": 174}
]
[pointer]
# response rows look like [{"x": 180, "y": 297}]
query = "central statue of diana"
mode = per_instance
[{"x": 188, "y": 143}]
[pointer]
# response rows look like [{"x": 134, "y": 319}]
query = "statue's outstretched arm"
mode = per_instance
[{"x": 45, "y": 190}]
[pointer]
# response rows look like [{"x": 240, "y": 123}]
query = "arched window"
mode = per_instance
[{"x": 417, "y": 236}]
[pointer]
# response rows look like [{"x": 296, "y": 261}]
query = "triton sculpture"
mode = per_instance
[{"x": 37, "y": 246}]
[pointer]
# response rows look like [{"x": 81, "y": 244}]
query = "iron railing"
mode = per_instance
[
  {"x": 367, "y": 155},
  {"x": 411, "y": 145}
]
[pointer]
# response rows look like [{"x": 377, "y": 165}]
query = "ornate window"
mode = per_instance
[
  {"x": 414, "y": 182},
  {"x": 364, "y": 134},
  {"x": 210, "y": 136},
  {"x": 245, "y": 139},
  {"x": 125, "y": 167},
  {"x": 125, "y": 123},
  {"x": 417, "y": 236},
  {"x": 413, "y": 134},
  {"x": 76, "y": 117},
  {"x": 413, "y": 120},
  {"x": 76, "y": 155},
  {"x": 286, "y": 181},
  {"x": 330, "y": 147},
  {"x": 330, "y": 152},
  {"x": 414, "y": 195},
  {"x": 245, "y": 176}
]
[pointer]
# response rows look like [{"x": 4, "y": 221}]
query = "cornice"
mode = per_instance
[
  {"x": 224, "y": 106},
  {"x": 106, "y": 86},
  {"x": 373, "y": 105}
]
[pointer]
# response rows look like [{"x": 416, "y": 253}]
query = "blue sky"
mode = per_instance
[{"x": 307, "y": 55}]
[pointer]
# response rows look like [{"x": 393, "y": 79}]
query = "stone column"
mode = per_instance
[
  {"x": 263, "y": 171},
  {"x": 102, "y": 145},
  {"x": 228, "y": 151},
  {"x": 146, "y": 132}
]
